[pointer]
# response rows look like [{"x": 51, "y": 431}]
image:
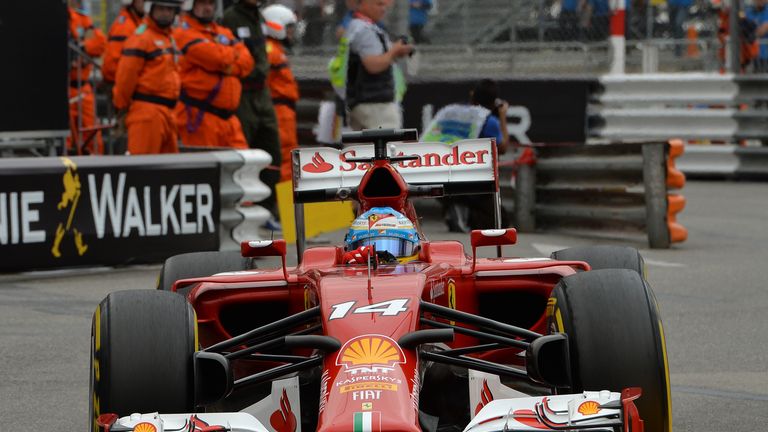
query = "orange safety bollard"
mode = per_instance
[
  {"x": 675, "y": 202},
  {"x": 675, "y": 177}
]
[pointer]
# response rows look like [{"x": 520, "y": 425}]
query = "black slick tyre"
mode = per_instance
[
  {"x": 142, "y": 344},
  {"x": 604, "y": 257},
  {"x": 616, "y": 338},
  {"x": 199, "y": 264}
]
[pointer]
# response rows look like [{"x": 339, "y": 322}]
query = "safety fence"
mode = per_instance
[
  {"x": 616, "y": 190},
  {"x": 57, "y": 212}
]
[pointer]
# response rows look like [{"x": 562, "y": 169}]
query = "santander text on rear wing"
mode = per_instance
[{"x": 464, "y": 167}]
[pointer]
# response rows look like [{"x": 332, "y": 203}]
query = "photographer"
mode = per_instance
[{"x": 371, "y": 72}]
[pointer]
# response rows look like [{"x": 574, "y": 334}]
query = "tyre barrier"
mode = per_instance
[
  {"x": 111, "y": 210},
  {"x": 615, "y": 190}
]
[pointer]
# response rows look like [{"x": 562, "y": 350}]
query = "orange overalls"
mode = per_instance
[
  {"x": 147, "y": 84},
  {"x": 285, "y": 93},
  {"x": 123, "y": 27},
  {"x": 211, "y": 66},
  {"x": 92, "y": 41}
]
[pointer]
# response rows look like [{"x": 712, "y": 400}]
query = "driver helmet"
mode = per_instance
[{"x": 389, "y": 231}]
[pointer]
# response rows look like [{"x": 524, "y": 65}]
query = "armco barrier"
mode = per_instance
[
  {"x": 688, "y": 106},
  {"x": 724, "y": 161},
  {"x": 57, "y": 212},
  {"x": 611, "y": 190}
]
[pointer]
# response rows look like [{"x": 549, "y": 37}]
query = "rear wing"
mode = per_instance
[{"x": 464, "y": 167}]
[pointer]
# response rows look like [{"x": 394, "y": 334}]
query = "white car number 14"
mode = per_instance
[{"x": 385, "y": 308}]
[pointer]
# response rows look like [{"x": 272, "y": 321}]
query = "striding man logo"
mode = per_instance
[{"x": 70, "y": 197}]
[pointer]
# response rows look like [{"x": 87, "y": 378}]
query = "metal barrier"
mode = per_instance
[
  {"x": 687, "y": 106},
  {"x": 57, "y": 212},
  {"x": 725, "y": 161},
  {"x": 607, "y": 190}
]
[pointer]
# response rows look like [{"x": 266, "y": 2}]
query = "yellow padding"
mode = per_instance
[{"x": 318, "y": 217}]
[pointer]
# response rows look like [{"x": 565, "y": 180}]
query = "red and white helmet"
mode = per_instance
[{"x": 278, "y": 18}]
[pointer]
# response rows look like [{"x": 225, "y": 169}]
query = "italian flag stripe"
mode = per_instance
[{"x": 367, "y": 422}]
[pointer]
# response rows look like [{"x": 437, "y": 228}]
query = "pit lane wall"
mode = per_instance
[{"x": 78, "y": 211}]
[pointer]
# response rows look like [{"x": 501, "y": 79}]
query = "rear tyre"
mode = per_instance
[
  {"x": 199, "y": 264},
  {"x": 142, "y": 343},
  {"x": 604, "y": 257},
  {"x": 616, "y": 338}
]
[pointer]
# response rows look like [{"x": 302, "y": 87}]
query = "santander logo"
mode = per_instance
[{"x": 318, "y": 165}]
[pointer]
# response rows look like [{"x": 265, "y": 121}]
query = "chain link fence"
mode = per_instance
[{"x": 463, "y": 38}]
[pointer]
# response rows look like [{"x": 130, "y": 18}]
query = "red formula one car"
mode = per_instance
[{"x": 352, "y": 340}]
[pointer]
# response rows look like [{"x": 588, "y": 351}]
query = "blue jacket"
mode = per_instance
[{"x": 418, "y": 16}]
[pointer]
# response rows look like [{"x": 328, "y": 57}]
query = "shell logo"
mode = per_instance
[
  {"x": 370, "y": 350},
  {"x": 144, "y": 427},
  {"x": 589, "y": 408}
]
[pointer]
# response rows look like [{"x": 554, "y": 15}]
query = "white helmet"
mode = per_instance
[
  {"x": 170, "y": 3},
  {"x": 126, "y": 2},
  {"x": 278, "y": 18}
]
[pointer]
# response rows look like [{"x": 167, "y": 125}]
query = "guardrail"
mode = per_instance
[
  {"x": 725, "y": 161},
  {"x": 57, "y": 212},
  {"x": 687, "y": 106},
  {"x": 607, "y": 190}
]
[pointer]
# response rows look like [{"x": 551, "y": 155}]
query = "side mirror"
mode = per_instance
[
  {"x": 265, "y": 248},
  {"x": 213, "y": 377},
  {"x": 547, "y": 360},
  {"x": 491, "y": 237}
]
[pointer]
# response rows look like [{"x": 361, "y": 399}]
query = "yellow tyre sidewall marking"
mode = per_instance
[{"x": 666, "y": 376}]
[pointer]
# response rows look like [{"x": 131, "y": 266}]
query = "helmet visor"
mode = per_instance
[{"x": 398, "y": 247}]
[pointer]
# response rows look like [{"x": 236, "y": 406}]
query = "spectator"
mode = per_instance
[
  {"x": 759, "y": 15},
  {"x": 418, "y": 14},
  {"x": 211, "y": 66},
  {"x": 484, "y": 117},
  {"x": 281, "y": 25},
  {"x": 312, "y": 13},
  {"x": 125, "y": 24},
  {"x": 371, "y": 93},
  {"x": 256, "y": 113},
  {"x": 748, "y": 48},
  {"x": 147, "y": 82},
  {"x": 598, "y": 15},
  {"x": 570, "y": 16},
  {"x": 678, "y": 15},
  {"x": 88, "y": 41}
]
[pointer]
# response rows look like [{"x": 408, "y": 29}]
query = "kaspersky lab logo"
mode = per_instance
[{"x": 67, "y": 207}]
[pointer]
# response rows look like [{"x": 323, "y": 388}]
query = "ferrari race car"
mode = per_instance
[{"x": 444, "y": 341}]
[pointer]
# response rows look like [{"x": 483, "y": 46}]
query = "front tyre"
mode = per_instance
[
  {"x": 200, "y": 264},
  {"x": 616, "y": 338},
  {"x": 604, "y": 257},
  {"x": 142, "y": 344}
]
